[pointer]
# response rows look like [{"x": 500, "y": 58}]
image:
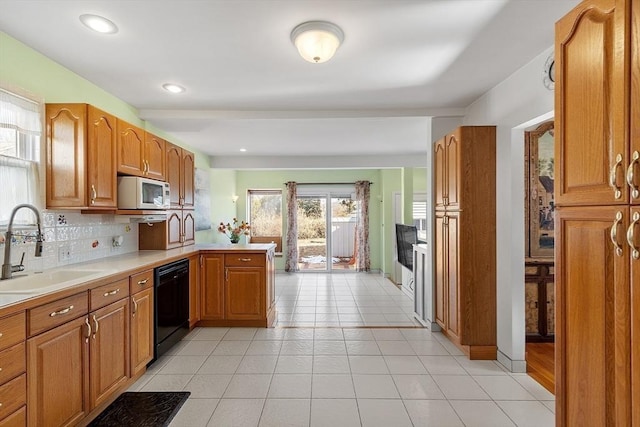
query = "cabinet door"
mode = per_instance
[
  {"x": 130, "y": 149},
  {"x": 58, "y": 375},
  {"x": 591, "y": 86},
  {"x": 633, "y": 239},
  {"x": 66, "y": 155},
  {"x": 440, "y": 243},
  {"x": 452, "y": 170},
  {"x": 440, "y": 171},
  {"x": 109, "y": 355},
  {"x": 194, "y": 290},
  {"x": 454, "y": 297},
  {"x": 174, "y": 174},
  {"x": 633, "y": 171},
  {"x": 188, "y": 228},
  {"x": 101, "y": 159},
  {"x": 174, "y": 229},
  {"x": 141, "y": 330},
  {"x": 244, "y": 292},
  {"x": 592, "y": 317},
  {"x": 188, "y": 176},
  {"x": 154, "y": 156},
  {"x": 211, "y": 287}
]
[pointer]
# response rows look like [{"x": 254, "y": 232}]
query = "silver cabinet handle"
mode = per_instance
[
  {"x": 60, "y": 312},
  {"x": 226, "y": 274},
  {"x": 244, "y": 259},
  {"x": 614, "y": 233},
  {"x": 135, "y": 307},
  {"x": 143, "y": 282},
  {"x": 94, "y": 194}
]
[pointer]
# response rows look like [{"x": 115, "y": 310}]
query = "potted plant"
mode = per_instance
[{"x": 234, "y": 230}]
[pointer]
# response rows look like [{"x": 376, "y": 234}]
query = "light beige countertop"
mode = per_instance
[{"x": 69, "y": 279}]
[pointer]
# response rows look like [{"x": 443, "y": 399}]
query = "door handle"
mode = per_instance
[
  {"x": 613, "y": 234},
  {"x": 135, "y": 307},
  {"x": 613, "y": 177},
  {"x": 226, "y": 274},
  {"x": 635, "y": 252},
  {"x": 86, "y": 321},
  {"x": 635, "y": 191}
]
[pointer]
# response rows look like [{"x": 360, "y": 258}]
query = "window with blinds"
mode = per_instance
[{"x": 20, "y": 145}]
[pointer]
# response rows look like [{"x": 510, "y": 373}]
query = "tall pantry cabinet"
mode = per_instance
[
  {"x": 598, "y": 210},
  {"x": 465, "y": 239}
]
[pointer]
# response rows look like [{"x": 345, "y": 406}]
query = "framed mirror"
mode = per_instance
[{"x": 539, "y": 202}]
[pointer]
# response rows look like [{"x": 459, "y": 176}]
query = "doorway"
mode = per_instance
[
  {"x": 326, "y": 232},
  {"x": 539, "y": 247}
]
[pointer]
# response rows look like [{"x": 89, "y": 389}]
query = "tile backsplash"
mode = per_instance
[{"x": 71, "y": 237}]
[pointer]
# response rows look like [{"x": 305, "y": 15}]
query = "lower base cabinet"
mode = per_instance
[
  {"x": 142, "y": 340},
  {"x": 77, "y": 366},
  {"x": 17, "y": 419},
  {"x": 237, "y": 288}
]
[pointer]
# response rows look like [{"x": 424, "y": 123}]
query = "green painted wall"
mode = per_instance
[
  {"x": 223, "y": 187},
  {"x": 255, "y": 180},
  {"x": 26, "y": 70}
]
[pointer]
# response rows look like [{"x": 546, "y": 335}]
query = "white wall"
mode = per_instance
[{"x": 519, "y": 101}]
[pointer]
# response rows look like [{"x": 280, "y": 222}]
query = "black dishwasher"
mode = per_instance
[{"x": 171, "y": 322}]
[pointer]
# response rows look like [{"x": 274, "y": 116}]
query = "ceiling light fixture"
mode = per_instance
[
  {"x": 98, "y": 23},
  {"x": 317, "y": 41},
  {"x": 173, "y": 88},
  {"x": 243, "y": 150}
]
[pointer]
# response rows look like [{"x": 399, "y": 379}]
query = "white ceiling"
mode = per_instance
[{"x": 401, "y": 61}]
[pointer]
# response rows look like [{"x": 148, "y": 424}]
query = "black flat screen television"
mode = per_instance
[{"x": 406, "y": 237}]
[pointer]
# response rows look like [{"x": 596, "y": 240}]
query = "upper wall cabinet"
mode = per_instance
[
  {"x": 180, "y": 176},
  {"x": 154, "y": 156},
  {"x": 81, "y": 157},
  {"x": 591, "y": 93},
  {"x": 131, "y": 142}
]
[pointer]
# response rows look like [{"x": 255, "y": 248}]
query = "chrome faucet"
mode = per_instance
[{"x": 7, "y": 268}]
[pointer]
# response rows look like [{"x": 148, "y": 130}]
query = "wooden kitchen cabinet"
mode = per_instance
[
  {"x": 154, "y": 157},
  {"x": 131, "y": 145},
  {"x": 81, "y": 157},
  {"x": 58, "y": 375},
  {"x": 78, "y": 364},
  {"x": 140, "y": 153},
  {"x": 211, "y": 286},
  {"x": 109, "y": 350},
  {"x": 596, "y": 194},
  {"x": 194, "y": 290},
  {"x": 244, "y": 291},
  {"x": 465, "y": 229},
  {"x": 180, "y": 176},
  {"x": 13, "y": 397},
  {"x": 237, "y": 288},
  {"x": 142, "y": 320},
  {"x": 178, "y": 230},
  {"x": 142, "y": 338}
]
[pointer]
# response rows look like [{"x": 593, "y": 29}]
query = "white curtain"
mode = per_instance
[
  {"x": 291, "y": 260},
  {"x": 363, "y": 251},
  {"x": 20, "y": 129}
]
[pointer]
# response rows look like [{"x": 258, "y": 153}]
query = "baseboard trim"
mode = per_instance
[{"x": 514, "y": 366}]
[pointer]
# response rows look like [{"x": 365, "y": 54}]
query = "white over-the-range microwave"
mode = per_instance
[{"x": 143, "y": 193}]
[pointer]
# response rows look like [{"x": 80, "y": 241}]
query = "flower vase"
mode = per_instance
[{"x": 234, "y": 238}]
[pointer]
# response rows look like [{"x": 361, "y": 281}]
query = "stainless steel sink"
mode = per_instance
[{"x": 48, "y": 281}]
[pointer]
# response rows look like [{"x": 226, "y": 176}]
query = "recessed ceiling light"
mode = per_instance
[
  {"x": 173, "y": 88},
  {"x": 99, "y": 24},
  {"x": 243, "y": 149}
]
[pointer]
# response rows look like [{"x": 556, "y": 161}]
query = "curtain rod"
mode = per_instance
[{"x": 326, "y": 183}]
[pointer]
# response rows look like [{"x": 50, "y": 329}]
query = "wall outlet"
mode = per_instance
[{"x": 64, "y": 253}]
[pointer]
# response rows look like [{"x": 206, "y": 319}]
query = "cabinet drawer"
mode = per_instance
[
  {"x": 17, "y": 419},
  {"x": 13, "y": 395},
  {"x": 105, "y": 295},
  {"x": 56, "y": 313},
  {"x": 12, "y": 330},
  {"x": 244, "y": 260},
  {"x": 12, "y": 362},
  {"x": 141, "y": 281}
]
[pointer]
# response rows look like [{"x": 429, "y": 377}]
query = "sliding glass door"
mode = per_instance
[{"x": 326, "y": 232}]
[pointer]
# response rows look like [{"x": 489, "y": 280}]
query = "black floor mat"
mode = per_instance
[{"x": 142, "y": 409}]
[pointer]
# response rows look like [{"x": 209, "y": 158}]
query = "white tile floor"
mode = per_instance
[
  {"x": 340, "y": 376},
  {"x": 341, "y": 299}
]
